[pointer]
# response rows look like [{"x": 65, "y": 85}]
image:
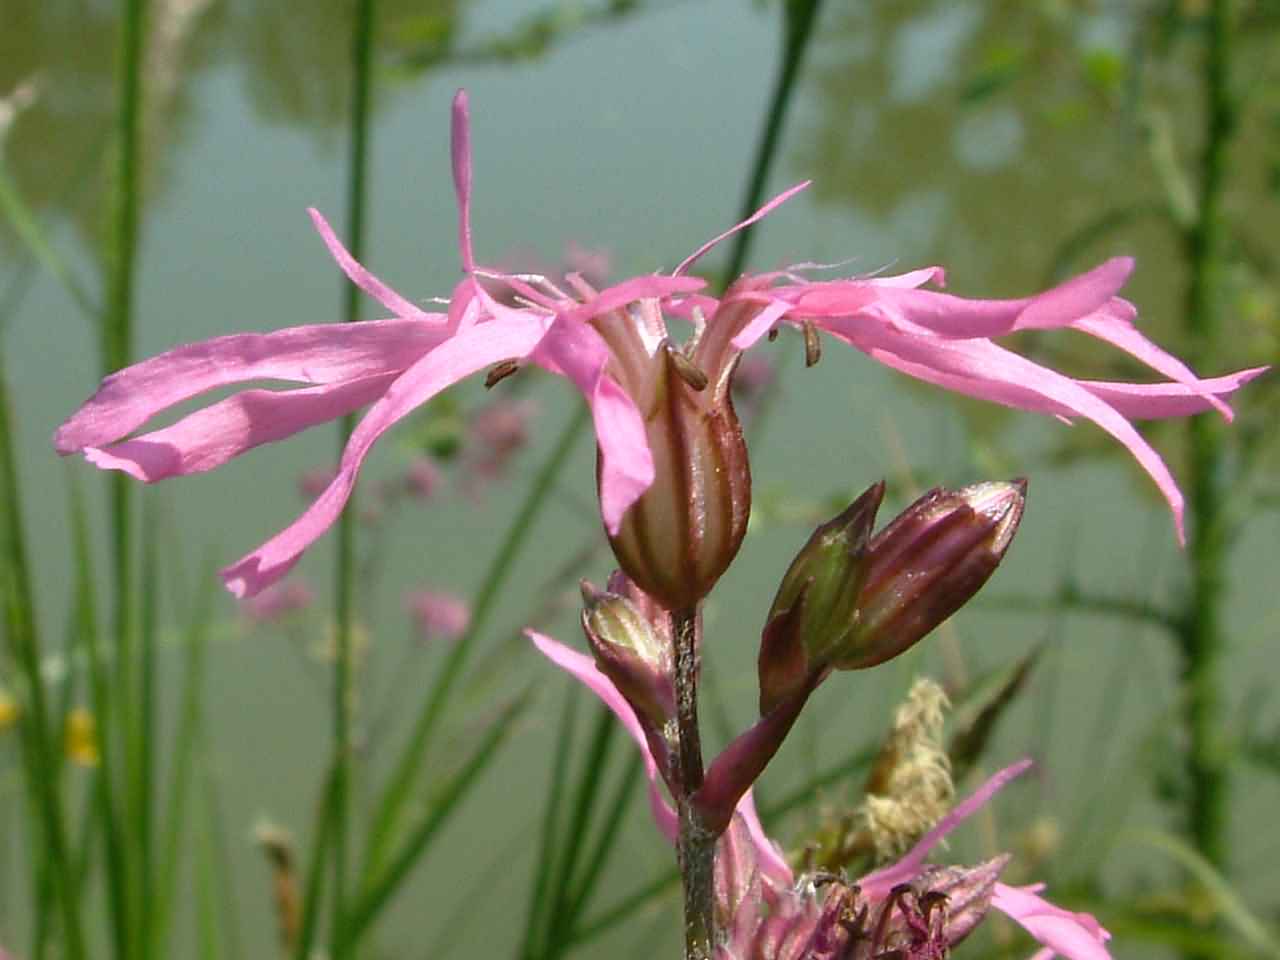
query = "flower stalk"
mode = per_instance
[{"x": 695, "y": 846}]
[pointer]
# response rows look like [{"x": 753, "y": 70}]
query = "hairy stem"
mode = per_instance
[
  {"x": 1201, "y": 639},
  {"x": 696, "y": 845}
]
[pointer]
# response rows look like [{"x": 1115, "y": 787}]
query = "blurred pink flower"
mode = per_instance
[
  {"x": 593, "y": 264},
  {"x": 278, "y": 601},
  {"x": 438, "y": 615},
  {"x": 605, "y": 343},
  {"x": 422, "y": 478},
  {"x": 754, "y": 374},
  {"x": 496, "y": 432},
  {"x": 312, "y": 482},
  {"x": 1077, "y": 936}
]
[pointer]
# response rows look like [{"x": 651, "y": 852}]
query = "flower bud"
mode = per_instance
[
  {"x": 685, "y": 530},
  {"x": 629, "y": 651},
  {"x": 816, "y": 607},
  {"x": 850, "y": 601},
  {"x": 927, "y": 563}
]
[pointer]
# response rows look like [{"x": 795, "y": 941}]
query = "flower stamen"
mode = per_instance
[
  {"x": 688, "y": 371},
  {"x": 500, "y": 372}
]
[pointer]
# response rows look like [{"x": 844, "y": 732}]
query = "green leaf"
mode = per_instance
[{"x": 1252, "y": 930}]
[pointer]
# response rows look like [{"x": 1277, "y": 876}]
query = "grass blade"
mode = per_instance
[
  {"x": 29, "y": 231},
  {"x": 24, "y": 648},
  {"x": 376, "y": 897},
  {"x": 532, "y": 945},
  {"x": 181, "y": 763},
  {"x": 316, "y": 870},
  {"x": 410, "y": 762},
  {"x": 590, "y": 779},
  {"x": 1233, "y": 909},
  {"x": 604, "y": 845}
]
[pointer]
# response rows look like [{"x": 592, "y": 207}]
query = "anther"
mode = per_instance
[
  {"x": 812, "y": 345},
  {"x": 687, "y": 369},
  {"x": 500, "y": 372}
]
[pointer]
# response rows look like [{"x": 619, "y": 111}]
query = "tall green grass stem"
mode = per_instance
[
  {"x": 117, "y": 347},
  {"x": 798, "y": 19},
  {"x": 24, "y": 646},
  {"x": 345, "y": 573},
  {"x": 107, "y": 812}
]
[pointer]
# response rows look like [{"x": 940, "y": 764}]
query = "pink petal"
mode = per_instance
[
  {"x": 629, "y": 291},
  {"x": 1134, "y": 401},
  {"x": 912, "y": 279},
  {"x": 450, "y": 362},
  {"x": 578, "y": 352},
  {"x": 460, "y": 152},
  {"x": 760, "y": 325},
  {"x": 760, "y": 214},
  {"x": 365, "y": 280},
  {"x": 1077, "y": 936},
  {"x": 992, "y": 371},
  {"x": 1154, "y": 401},
  {"x": 584, "y": 669},
  {"x": 210, "y": 437},
  {"x": 952, "y": 316},
  {"x": 879, "y": 883},
  {"x": 1115, "y": 328},
  {"x": 324, "y": 353},
  {"x": 1076, "y": 297},
  {"x": 770, "y": 859}
]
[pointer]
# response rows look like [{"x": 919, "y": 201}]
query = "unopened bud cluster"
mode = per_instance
[{"x": 850, "y": 600}]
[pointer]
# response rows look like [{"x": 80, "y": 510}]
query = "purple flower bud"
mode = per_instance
[
  {"x": 629, "y": 651},
  {"x": 927, "y": 563},
  {"x": 850, "y": 600}
]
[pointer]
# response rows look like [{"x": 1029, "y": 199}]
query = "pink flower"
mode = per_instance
[
  {"x": 595, "y": 265},
  {"x": 422, "y": 478},
  {"x": 496, "y": 433},
  {"x": 609, "y": 344},
  {"x": 278, "y": 601},
  {"x": 393, "y": 366},
  {"x": 437, "y": 614},
  {"x": 1077, "y": 936},
  {"x": 312, "y": 482}
]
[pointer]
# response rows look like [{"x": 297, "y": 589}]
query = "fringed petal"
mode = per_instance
[
  {"x": 365, "y": 280},
  {"x": 452, "y": 361},
  {"x": 317, "y": 354},
  {"x": 208, "y": 438}
]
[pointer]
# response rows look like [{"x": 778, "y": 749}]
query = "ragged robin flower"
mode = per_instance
[{"x": 672, "y": 472}]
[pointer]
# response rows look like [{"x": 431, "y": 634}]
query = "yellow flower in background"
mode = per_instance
[
  {"x": 10, "y": 711},
  {"x": 80, "y": 739}
]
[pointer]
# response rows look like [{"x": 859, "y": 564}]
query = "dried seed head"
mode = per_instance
[{"x": 910, "y": 786}]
